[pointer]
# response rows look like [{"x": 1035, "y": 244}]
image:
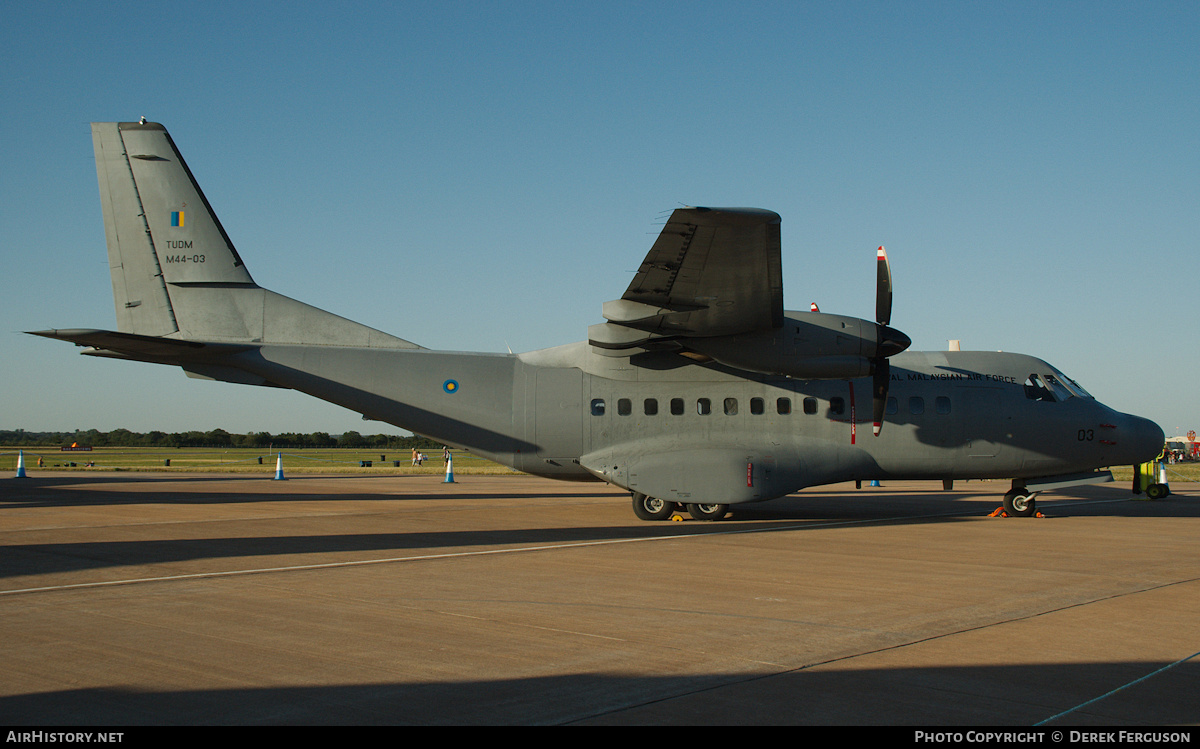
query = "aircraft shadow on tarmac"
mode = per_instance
[
  {"x": 797, "y": 513},
  {"x": 50, "y": 558},
  {"x": 946, "y": 695}
]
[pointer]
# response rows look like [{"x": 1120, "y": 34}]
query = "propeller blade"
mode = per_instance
[
  {"x": 879, "y": 391},
  {"x": 883, "y": 289},
  {"x": 889, "y": 341}
]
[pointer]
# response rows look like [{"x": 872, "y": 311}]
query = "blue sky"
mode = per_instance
[{"x": 473, "y": 175}]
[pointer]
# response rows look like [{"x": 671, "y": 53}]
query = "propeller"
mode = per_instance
[{"x": 888, "y": 342}]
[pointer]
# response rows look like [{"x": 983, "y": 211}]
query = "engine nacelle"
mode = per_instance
[{"x": 809, "y": 346}]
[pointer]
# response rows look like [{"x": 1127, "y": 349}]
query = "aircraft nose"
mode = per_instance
[{"x": 1142, "y": 439}]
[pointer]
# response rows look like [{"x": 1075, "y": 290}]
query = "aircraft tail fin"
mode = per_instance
[{"x": 175, "y": 271}]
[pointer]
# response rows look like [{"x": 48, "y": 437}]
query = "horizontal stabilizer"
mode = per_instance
[{"x": 141, "y": 347}]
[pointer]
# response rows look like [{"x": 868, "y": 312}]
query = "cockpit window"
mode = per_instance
[
  {"x": 1036, "y": 390},
  {"x": 1060, "y": 391},
  {"x": 1069, "y": 384},
  {"x": 1053, "y": 387}
]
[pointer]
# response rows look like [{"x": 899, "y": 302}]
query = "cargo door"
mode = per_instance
[{"x": 559, "y": 413}]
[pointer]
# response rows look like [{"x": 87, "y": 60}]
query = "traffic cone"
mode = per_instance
[
  {"x": 279, "y": 468},
  {"x": 20, "y": 464},
  {"x": 449, "y": 470}
]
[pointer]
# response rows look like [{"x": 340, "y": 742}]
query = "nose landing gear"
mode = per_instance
[{"x": 1020, "y": 503}]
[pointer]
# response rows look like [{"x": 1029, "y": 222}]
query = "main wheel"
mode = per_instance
[
  {"x": 1020, "y": 503},
  {"x": 652, "y": 508},
  {"x": 707, "y": 512}
]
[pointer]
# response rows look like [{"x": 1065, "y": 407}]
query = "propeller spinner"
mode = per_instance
[{"x": 888, "y": 342}]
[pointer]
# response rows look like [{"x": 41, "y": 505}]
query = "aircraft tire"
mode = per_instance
[
  {"x": 707, "y": 512},
  {"x": 652, "y": 508},
  {"x": 1157, "y": 491},
  {"x": 1020, "y": 503}
]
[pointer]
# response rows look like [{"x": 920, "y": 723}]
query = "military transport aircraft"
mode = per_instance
[{"x": 697, "y": 390}]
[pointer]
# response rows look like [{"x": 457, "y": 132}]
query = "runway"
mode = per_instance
[{"x": 166, "y": 599}]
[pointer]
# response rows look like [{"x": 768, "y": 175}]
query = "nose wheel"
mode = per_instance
[{"x": 1020, "y": 503}]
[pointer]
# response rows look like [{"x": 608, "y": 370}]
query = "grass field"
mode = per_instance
[{"x": 243, "y": 460}]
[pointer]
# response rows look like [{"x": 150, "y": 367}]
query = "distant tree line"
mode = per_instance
[{"x": 214, "y": 438}]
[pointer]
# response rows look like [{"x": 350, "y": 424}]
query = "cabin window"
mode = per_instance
[
  {"x": 783, "y": 406},
  {"x": 756, "y": 406},
  {"x": 704, "y": 406},
  {"x": 810, "y": 406},
  {"x": 837, "y": 406},
  {"x": 597, "y": 406},
  {"x": 942, "y": 404},
  {"x": 650, "y": 406},
  {"x": 677, "y": 406},
  {"x": 893, "y": 406},
  {"x": 916, "y": 405},
  {"x": 624, "y": 407},
  {"x": 731, "y": 407}
]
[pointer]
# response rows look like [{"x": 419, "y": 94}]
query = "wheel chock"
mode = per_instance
[
  {"x": 1000, "y": 513},
  {"x": 677, "y": 518}
]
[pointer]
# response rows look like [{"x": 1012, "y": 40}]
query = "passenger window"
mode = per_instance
[
  {"x": 597, "y": 407},
  {"x": 942, "y": 404},
  {"x": 731, "y": 407},
  {"x": 756, "y": 406},
  {"x": 624, "y": 407},
  {"x": 677, "y": 406},
  {"x": 704, "y": 406},
  {"x": 893, "y": 406},
  {"x": 784, "y": 406},
  {"x": 810, "y": 406},
  {"x": 837, "y": 406},
  {"x": 650, "y": 406},
  {"x": 916, "y": 405}
]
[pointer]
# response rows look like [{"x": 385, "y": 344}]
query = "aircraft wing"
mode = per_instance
[{"x": 711, "y": 272}]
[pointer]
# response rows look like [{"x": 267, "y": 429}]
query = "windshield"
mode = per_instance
[
  {"x": 1061, "y": 392},
  {"x": 1071, "y": 385},
  {"x": 1053, "y": 387}
]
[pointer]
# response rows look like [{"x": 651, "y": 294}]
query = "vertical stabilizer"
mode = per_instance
[
  {"x": 174, "y": 271},
  {"x": 160, "y": 228}
]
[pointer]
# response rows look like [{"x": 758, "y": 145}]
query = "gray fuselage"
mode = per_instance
[{"x": 703, "y": 433}]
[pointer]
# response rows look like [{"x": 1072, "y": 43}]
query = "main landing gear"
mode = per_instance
[{"x": 653, "y": 508}]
